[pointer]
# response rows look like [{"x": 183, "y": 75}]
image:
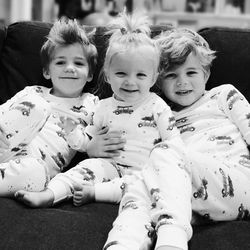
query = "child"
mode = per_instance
[
  {"x": 214, "y": 125},
  {"x": 34, "y": 146}
]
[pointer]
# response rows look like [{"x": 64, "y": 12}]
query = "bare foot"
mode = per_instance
[
  {"x": 83, "y": 194},
  {"x": 44, "y": 198}
]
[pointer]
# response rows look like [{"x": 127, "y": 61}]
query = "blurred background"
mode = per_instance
[{"x": 194, "y": 14}]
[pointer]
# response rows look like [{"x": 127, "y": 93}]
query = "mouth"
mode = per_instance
[
  {"x": 183, "y": 92},
  {"x": 68, "y": 78},
  {"x": 130, "y": 90}
]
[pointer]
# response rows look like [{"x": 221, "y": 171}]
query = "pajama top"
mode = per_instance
[
  {"x": 143, "y": 125},
  {"x": 50, "y": 144},
  {"x": 218, "y": 124}
]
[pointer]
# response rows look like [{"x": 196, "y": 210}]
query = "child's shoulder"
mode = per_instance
[
  {"x": 222, "y": 89},
  {"x": 157, "y": 99},
  {"x": 35, "y": 89}
]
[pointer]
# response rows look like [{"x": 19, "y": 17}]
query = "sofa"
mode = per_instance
[{"x": 65, "y": 226}]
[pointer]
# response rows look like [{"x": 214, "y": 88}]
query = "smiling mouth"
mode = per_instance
[
  {"x": 183, "y": 92},
  {"x": 129, "y": 91},
  {"x": 68, "y": 77}
]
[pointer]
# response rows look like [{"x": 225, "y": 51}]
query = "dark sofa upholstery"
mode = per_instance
[{"x": 69, "y": 227}]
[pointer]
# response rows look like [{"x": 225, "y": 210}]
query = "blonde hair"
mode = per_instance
[
  {"x": 177, "y": 44},
  {"x": 128, "y": 32},
  {"x": 66, "y": 32}
]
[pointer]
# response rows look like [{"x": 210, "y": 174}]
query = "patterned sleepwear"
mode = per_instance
[
  {"x": 143, "y": 125},
  {"x": 216, "y": 131},
  {"x": 216, "y": 180},
  {"x": 38, "y": 147}
]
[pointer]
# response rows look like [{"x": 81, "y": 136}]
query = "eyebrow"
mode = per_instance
[{"x": 77, "y": 57}]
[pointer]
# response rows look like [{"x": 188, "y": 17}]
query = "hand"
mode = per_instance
[
  {"x": 67, "y": 124},
  {"x": 106, "y": 144}
]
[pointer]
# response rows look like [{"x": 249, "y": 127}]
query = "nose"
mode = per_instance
[
  {"x": 70, "y": 68},
  {"x": 129, "y": 81},
  {"x": 181, "y": 81}
]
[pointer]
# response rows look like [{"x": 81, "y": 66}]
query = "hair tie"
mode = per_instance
[
  {"x": 123, "y": 31},
  {"x": 137, "y": 31}
]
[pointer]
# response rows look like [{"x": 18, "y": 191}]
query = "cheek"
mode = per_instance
[{"x": 166, "y": 89}]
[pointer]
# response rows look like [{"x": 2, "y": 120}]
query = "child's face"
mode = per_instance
[
  {"x": 185, "y": 84},
  {"x": 132, "y": 73},
  {"x": 68, "y": 71}
]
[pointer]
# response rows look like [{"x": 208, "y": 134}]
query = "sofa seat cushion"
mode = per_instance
[{"x": 62, "y": 227}]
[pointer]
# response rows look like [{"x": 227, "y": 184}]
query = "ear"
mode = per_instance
[
  {"x": 206, "y": 76},
  {"x": 90, "y": 77},
  {"x": 46, "y": 74},
  {"x": 106, "y": 76}
]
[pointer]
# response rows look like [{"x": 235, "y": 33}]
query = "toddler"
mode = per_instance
[{"x": 34, "y": 145}]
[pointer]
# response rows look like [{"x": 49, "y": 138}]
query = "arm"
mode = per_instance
[
  {"x": 237, "y": 108},
  {"x": 105, "y": 144},
  {"x": 74, "y": 133}
]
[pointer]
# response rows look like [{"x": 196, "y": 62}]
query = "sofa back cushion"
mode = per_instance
[
  {"x": 20, "y": 65},
  {"x": 20, "y": 60},
  {"x": 232, "y": 64}
]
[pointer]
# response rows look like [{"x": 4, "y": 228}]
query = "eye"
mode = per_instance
[
  {"x": 120, "y": 74},
  {"x": 79, "y": 63},
  {"x": 59, "y": 62},
  {"x": 169, "y": 76},
  {"x": 191, "y": 73},
  {"x": 141, "y": 75}
]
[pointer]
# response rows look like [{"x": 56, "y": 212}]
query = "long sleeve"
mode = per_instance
[
  {"x": 78, "y": 139},
  {"x": 237, "y": 108}
]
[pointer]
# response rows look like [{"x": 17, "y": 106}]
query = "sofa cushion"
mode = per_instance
[
  {"x": 20, "y": 60},
  {"x": 233, "y": 57},
  {"x": 62, "y": 227}
]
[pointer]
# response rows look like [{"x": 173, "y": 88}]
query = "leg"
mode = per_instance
[
  {"x": 221, "y": 190},
  {"x": 28, "y": 174},
  {"x": 171, "y": 207},
  {"x": 79, "y": 179},
  {"x": 131, "y": 229},
  {"x": 88, "y": 173},
  {"x": 21, "y": 122}
]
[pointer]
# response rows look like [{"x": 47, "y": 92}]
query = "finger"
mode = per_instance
[
  {"x": 111, "y": 154},
  {"x": 103, "y": 130},
  {"x": 113, "y": 147},
  {"x": 114, "y": 134},
  {"x": 115, "y": 141}
]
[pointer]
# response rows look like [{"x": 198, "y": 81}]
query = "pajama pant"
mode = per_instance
[
  {"x": 142, "y": 210},
  {"x": 90, "y": 171},
  {"x": 20, "y": 123},
  {"x": 220, "y": 191}
]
